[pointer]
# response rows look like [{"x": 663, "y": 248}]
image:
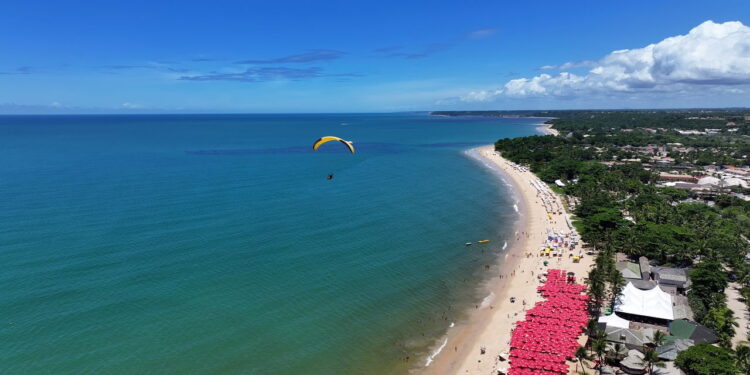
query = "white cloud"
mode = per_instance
[
  {"x": 711, "y": 55},
  {"x": 569, "y": 65}
]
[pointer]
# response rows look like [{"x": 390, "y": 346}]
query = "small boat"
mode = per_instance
[
  {"x": 483, "y": 241},
  {"x": 468, "y": 244}
]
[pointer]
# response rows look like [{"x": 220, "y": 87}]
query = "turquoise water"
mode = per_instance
[{"x": 213, "y": 244}]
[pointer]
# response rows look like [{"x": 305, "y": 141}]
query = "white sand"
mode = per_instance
[{"x": 490, "y": 325}]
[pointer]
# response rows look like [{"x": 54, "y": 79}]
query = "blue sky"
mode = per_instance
[{"x": 369, "y": 56}]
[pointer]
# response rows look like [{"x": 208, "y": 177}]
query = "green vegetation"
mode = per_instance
[
  {"x": 610, "y": 162},
  {"x": 707, "y": 359}
]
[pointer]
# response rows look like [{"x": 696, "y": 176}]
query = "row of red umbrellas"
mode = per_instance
[{"x": 548, "y": 336}]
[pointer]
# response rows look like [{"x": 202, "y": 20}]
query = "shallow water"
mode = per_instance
[{"x": 213, "y": 244}]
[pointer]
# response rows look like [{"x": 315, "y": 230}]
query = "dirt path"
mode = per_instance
[{"x": 736, "y": 303}]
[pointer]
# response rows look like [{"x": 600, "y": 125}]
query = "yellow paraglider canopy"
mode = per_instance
[{"x": 325, "y": 139}]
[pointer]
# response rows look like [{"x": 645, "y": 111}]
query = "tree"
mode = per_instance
[
  {"x": 651, "y": 359},
  {"x": 658, "y": 338},
  {"x": 721, "y": 320},
  {"x": 708, "y": 277},
  {"x": 599, "y": 347},
  {"x": 582, "y": 355},
  {"x": 705, "y": 359},
  {"x": 743, "y": 358},
  {"x": 615, "y": 352}
]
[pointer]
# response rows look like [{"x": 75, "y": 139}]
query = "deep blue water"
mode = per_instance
[{"x": 213, "y": 244}]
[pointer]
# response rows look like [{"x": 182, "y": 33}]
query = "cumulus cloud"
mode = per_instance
[
  {"x": 569, "y": 65},
  {"x": 711, "y": 55}
]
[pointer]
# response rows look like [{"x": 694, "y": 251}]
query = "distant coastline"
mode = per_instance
[{"x": 544, "y": 127}]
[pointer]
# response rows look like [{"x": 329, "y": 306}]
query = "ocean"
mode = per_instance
[{"x": 215, "y": 244}]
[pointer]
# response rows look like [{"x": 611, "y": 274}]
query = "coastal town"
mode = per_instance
[{"x": 643, "y": 231}]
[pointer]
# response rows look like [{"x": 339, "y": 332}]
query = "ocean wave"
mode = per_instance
[{"x": 434, "y": 354}]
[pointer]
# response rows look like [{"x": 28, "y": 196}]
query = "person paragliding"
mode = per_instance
[{"x": 321, "y": 141}]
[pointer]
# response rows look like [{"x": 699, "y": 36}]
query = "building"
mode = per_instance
[
  {"x": 676, "y": 277},
  {"x": 670, "y": 350},
  {"x": 698, "y": 333},
  {"x": 629, "y": 270},
  {"x": 677, "y": 177},
  {"x": 629, "y": 338},
  {"x": 646, "y": 305}
]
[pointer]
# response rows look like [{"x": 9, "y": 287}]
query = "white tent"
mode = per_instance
[
  {"x": 614, "y": 321},
  {"x": 653, "y": 303}
]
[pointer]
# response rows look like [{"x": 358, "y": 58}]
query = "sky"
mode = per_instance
[{"x": 370, "y": 56}]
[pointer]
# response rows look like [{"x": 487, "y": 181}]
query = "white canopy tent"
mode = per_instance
[
  {"x": 653, "y": 303},
  {"x": 614, "y": 321}
]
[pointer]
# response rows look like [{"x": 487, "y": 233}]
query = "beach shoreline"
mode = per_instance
[{"x": 489, "y": 325}]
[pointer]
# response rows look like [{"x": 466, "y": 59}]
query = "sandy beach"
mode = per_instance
[{"x": 490, "y": 324}]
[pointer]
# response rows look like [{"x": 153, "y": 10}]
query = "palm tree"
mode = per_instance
[
  {"x": 591, "y": 326},
  {"x": 615, "y": 352},
  {"x": 599, "y": 347},
  {"x": 581, "y": 354},
  {"x": 658, "y": 338},
  {"x": 651, "y": 359},
  {"x": 743, "y": 358}
]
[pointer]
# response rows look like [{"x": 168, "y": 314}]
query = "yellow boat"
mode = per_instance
[{"x": 483, "y": 241}]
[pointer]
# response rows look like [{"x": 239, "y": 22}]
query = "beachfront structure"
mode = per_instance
[
  {"x": 654, "y": 304},
  {"x": 676, "y": 277},
  {"x": 630, "y": 338},
  {"x": 612, "y": 321},
  {"x": 670, "y": 350},
  {"x": 698, "y": 333},
  {"x": 633, "y": 363}
]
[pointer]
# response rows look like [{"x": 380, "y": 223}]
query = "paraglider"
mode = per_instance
[{"x": 325, "y": 139}]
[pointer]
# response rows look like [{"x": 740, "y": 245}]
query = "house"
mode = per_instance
[
  {"x": 670, "y": 350},
  {"x": 677, "y": 177},
  {"x": 662, "y": 160},
  {"x": 633, "y": 363},
  {"x": 742, "y": 172},
  {"x": 712, "y": 168},
  {"x": 676, "y": 277},
  {"x": 630, "y": 338},
  {"x": 685, "y": 329}
]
